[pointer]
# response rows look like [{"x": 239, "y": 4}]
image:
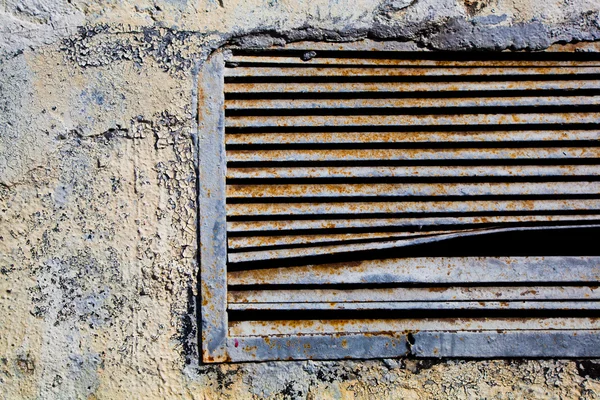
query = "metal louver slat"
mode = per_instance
[
  {"x": 241, "y": 107},
  {"x": 411, "y": 294},
  {"x": 266, "y": 241},
  {"x": 413, "y": 189},
  {"x": 411, "y": 120},
  {"x": 289, "y": 226},
  {"x": 429, "y": 270},
  {"x": 410, "y": 87},
  {"x": 332, "y": 59},
  {"x": 411, "y": 207},
  {"x": 414, "y": 138},
  {"x": 421, "y": 305},
  {"x": 394, "y": 192},
  {"x": 433, "y": 154},
  {"x": 369, "y": 326},
  {"x": 415, "y": 172}
]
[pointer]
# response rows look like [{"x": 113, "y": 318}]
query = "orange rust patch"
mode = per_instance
[{"x": 437, "y": 289}]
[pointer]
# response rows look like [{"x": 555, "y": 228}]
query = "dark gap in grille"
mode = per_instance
[
  {"x": 409, "y": 78},
  {"x": 550, "y": 242},
  {"x": 412, "y": 285},
  {"x": 331, "y": 65},
  {"x": 392, "y": 180},
  {"x": 413, "y": 128},
  {"x": 402, "y": 215},
  {"x": 298, "y": 315},
  {"x": 366, "y": 111},
  {"x": 419, "y": 56},
  {"x": 409, "y": 95},
  {"x": 419, "y": 145},
  {"x": 328, "y": 243},
  {"x": 382, "y": 199},
  {"x": 408, "y": 163}
]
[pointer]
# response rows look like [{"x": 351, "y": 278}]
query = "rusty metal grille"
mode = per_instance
[{"x": 377, "y": 204}]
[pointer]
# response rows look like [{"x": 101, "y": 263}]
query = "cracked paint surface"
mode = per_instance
[{"x": 98, "y": 216}]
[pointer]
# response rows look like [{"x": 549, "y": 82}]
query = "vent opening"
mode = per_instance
[{"x": 364, "y": 195}]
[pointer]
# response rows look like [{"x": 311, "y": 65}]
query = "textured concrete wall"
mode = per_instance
[{"x": 97, "y": 194}]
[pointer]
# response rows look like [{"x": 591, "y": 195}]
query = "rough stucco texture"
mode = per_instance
[{"x": 97, "y": 194}]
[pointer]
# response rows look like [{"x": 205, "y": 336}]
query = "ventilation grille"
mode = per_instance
[{"x": 377, "y": 186}]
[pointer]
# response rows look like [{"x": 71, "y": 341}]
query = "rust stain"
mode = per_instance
[
  {"x": 437, "y": 289},
  {"x": 531, "y": 291}
]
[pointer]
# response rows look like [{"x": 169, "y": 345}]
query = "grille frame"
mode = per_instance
[{"x": 221, "y": 343}]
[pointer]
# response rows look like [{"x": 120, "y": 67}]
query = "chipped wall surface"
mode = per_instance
[{"x": 98, "y": 182}]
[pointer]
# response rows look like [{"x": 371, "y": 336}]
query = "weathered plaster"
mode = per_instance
[{"x": 98, "y": 186}]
